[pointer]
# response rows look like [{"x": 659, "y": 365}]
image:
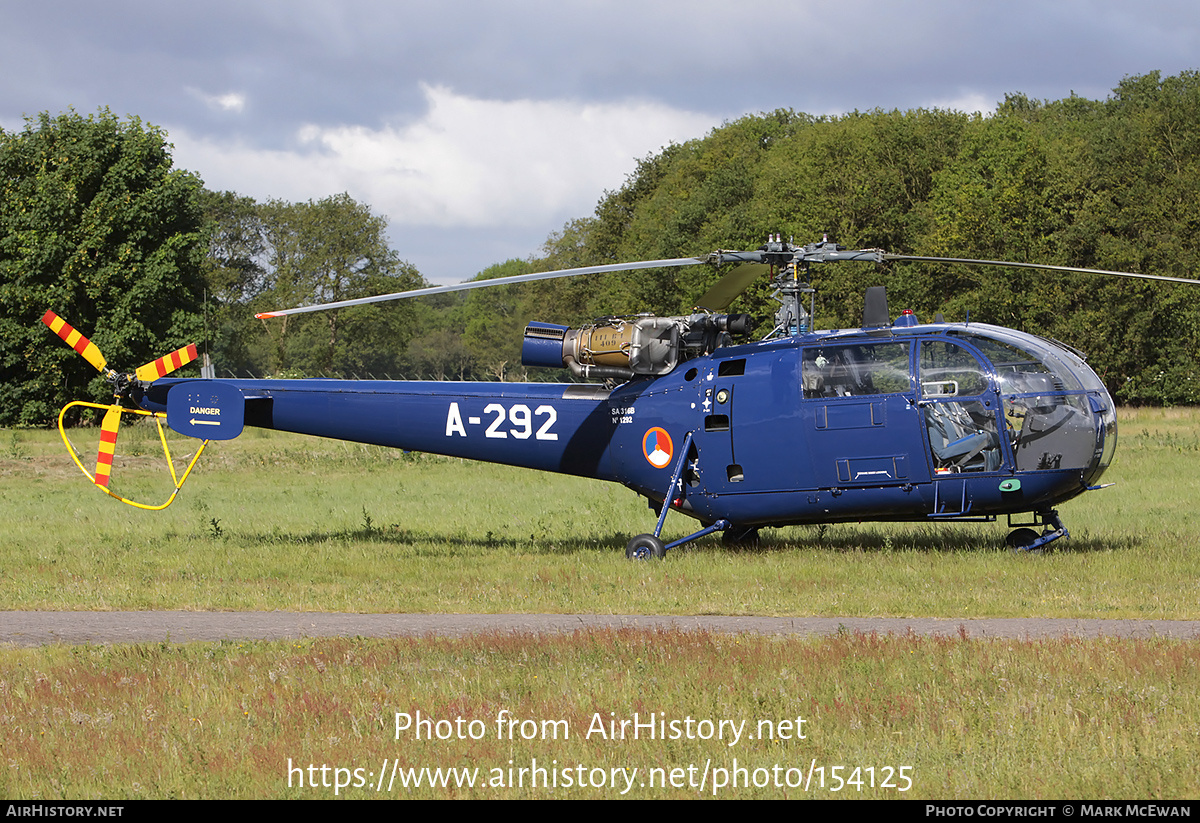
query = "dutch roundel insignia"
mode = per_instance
[{"x": 656, "y": 446}]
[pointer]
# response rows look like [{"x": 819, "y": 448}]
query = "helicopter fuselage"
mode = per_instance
[{"x": 941, "y": 421}]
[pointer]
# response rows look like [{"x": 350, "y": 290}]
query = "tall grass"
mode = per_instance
[{"x": 966, "y": 719}]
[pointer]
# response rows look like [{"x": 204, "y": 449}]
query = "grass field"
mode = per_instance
[
  {"x": 272, "y": 521},
  {"x": 277, "y": 522}
]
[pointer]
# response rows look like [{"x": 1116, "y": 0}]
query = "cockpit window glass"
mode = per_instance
[
  {"x": 1024, "y": 369},
  {"x": 949, "y": 370},
  {"x": 1057, "y": 412},
  {"x": 1067, "y": 376},
  {"x": 1006, "y": 358},
  {"x": 851, "y": 371},
  {"x": 963, "y": 436}
]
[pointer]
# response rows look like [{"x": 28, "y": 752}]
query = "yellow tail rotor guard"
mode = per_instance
[{"x": 159, "y": 417}]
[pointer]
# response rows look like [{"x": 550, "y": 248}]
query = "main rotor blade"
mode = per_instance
[
  {"x": 75, "y": 340},
  {"x": 499, "y": 281},
  {"x": 165, "y": 365},
  {"x": 1044, "y": 266},
  {"x": 727, "y": 289}
]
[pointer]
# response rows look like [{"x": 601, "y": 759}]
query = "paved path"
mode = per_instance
[{"x": 38, "y": 628}]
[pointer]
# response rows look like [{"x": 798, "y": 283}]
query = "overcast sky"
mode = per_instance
[{"x": 477, "y": 128}]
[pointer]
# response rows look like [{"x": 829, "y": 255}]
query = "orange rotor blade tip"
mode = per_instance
[{"x": 263, "y": 315}]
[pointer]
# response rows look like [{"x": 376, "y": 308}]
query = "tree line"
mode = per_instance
[
  {"x": 1111, "y": 184},
  {"x": 97, "y": 224}
]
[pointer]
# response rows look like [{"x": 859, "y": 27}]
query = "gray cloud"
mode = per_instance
[{"x": 448, "y": 117}]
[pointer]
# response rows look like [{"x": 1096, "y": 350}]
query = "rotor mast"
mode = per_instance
[{"x": 789, "y": 266}]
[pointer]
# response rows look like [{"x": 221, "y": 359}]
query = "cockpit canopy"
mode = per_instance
[{"x": 974, "y": 382}]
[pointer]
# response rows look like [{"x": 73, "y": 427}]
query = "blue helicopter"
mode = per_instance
[{"x": 894, "y": 421}]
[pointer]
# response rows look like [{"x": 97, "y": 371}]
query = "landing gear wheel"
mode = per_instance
[
  {"x": 645, "y": 547},
  {"x": 1019, "y": 540},
  {"x": 740, "y": 536}
]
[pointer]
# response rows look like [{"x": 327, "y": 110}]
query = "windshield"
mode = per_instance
[{"x": 1050, "y": 395}]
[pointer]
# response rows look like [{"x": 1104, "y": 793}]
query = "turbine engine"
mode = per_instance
[{"x": 622, "y": 347}]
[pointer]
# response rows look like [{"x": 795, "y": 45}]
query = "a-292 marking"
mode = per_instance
[{"x": 522, "y": 421}]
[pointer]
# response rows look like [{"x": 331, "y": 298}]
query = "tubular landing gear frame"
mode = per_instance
[{"x": 651, "y": 546}]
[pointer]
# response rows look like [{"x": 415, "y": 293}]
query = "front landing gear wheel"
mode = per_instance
[
  {"x": 1020, "y": 540},
  {"x": 645, "y": 547}
]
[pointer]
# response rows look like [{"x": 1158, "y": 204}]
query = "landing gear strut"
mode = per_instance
[{"x": 650, "y": 546}]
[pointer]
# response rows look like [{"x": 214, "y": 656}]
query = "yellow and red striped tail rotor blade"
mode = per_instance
[
  {"x": 165, "y": 365},
  {"x": 108, "y": 445},
  {"x": 75, "y": 340}
]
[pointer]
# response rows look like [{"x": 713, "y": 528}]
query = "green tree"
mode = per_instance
[
  {"x": 1111, "y": 184},
  {"x": 1144, "y": 216},
  {"x": 495, "y": 319},
  {"x": 322, "y": 252},
  {"x": 96, "y": 225},
  {"x": 865, "y": 180},
  {"x": 439, "y": 354},
  {"x": 235, "y": 275}
]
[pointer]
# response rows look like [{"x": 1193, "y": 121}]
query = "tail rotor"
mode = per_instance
[{"x": 123, "y": 384}]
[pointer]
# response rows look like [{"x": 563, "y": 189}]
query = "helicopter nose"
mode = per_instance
[{"x": 1104, "y": 419}]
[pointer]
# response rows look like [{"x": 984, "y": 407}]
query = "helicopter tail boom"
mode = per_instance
[{"x": 547, "y": 426}]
